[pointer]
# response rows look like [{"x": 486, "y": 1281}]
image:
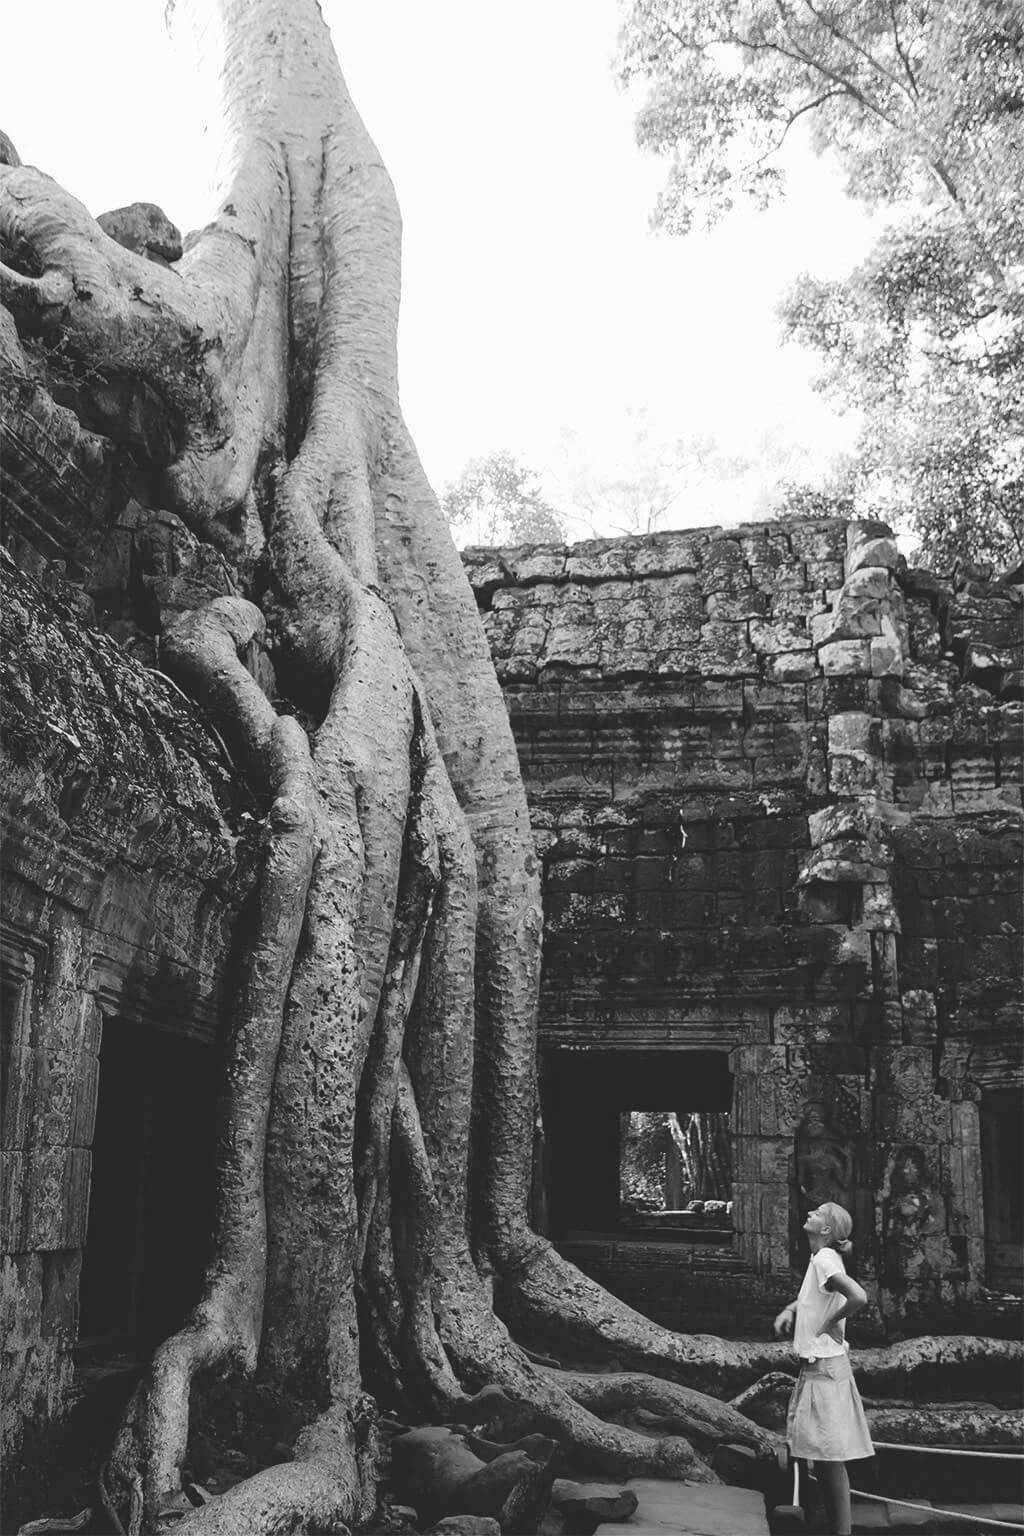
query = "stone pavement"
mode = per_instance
[
  {"x": 691, "y": 1509},
  {"x": 703, "y": 1509},
  {"x": 890, "y": 1516}
]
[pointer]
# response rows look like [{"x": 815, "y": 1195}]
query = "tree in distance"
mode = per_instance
[
  {"x": 498, "y": 500},
  {"x": 922, "y": 105}
]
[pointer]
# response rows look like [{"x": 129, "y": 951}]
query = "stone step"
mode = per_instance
[{"x": 691, "y": 1509}]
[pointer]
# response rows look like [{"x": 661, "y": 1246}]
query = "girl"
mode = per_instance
[{"x": 826, "y": 1422}]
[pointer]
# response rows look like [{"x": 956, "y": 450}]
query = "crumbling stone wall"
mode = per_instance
[
  {"x": 775, "y": 779},
  {"x": 775, "y": 783},
  {"x": 123, "y": 873}
]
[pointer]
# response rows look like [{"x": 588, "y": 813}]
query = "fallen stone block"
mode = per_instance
[{"x": 587, "y": 1505}]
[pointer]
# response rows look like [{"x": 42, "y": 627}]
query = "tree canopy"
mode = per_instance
[
  {"x": 914, "y": 341},
  {"x": 923, "y": 104}
]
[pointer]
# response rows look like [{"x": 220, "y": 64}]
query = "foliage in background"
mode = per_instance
[
  {"x": 640, "y": 478},
  {"x": 923, "y": 103},
  {"x": 636, "y": 477},
  {"x": 914, "y": 342},
  {"x": 497, "y": 500}
]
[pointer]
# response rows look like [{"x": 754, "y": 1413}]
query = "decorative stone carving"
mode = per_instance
[{"x": 824, "y": 1158}]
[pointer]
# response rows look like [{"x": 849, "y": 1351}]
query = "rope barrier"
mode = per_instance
[
  {"x": 928, "y": 1509},
  {"x": 947, "y": 1450}
]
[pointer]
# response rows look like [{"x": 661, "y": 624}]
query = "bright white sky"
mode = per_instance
[{"x": 536, "y": 302}]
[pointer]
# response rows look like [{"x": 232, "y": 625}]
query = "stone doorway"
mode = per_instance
[
  {"x": 151, "y": 1196},
  {"x": 609, "y": 1116}
]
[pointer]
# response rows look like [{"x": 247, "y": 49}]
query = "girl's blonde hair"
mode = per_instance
[{"x": 840, "y": 1224}]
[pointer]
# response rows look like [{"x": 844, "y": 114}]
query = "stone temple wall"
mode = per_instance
[
  {"x": 775, "y": 778},
  {"x": 123, "y": 875}
]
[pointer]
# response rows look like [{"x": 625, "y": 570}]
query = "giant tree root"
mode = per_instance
[
  {"x": 966, "y": 1424},
  {"x": 677, "y": 1410},
  {"x": 551, "y": 1304},
  {"x": 330, "y": 1485}
]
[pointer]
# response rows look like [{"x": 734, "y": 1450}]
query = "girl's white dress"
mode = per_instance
[{"x": 826, "y": 1416}]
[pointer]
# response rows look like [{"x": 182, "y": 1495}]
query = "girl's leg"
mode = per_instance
[{"x": 835, "y": 1491}]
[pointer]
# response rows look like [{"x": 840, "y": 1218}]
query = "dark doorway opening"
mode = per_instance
[
  {"x": 1002, "y": 1166},
  {"x": 622, "y": 1136},
  {"x": 151, "y": 1198}
]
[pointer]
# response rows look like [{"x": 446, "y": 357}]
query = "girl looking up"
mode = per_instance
[{"x": 826, "y": 1422}]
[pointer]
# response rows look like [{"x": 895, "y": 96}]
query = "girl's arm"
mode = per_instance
[
  {"x": 855, "y": 1298},
  {"x": 783, "y": 1324}
]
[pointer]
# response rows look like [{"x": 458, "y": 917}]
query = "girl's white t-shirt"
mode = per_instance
[{"x": 815, "y": 1306}]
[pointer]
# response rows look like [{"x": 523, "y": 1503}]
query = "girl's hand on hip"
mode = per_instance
[{"x": 783, "y": 1324}]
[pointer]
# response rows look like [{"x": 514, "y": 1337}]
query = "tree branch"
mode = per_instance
[
  {"x": 851, "y": 42},
  {"x": 846, "y": 86},
  {"x": 901, "y": 51}
]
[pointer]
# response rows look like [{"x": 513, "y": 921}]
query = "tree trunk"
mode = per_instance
[
  {"x": 374, "y": 1160},
  {"x": 702, "y": 1138}
]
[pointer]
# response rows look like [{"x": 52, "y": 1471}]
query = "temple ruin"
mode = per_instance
[{"x": 775, "y": 778}]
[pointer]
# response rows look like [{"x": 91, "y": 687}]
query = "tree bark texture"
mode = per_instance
[{"x": 374, "y": 1158}]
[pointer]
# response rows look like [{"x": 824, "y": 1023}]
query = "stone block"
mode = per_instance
[
  {"x": 918, "y": 1121},
  {"x": 868, "y": 545},
  {"x": 821, "y": 540},
  {"x": 679, "y": 551},
  {"x": 747, "y": 603},
  {"x": 856, "y": 773},
  {"x": 775, "y": 702},
  {"x": 886, "y": 656},
  {"x": 798, "y": 605},
  {"x": 841, "y": 624},
  {"x": 570, "y": 875},
  {"x": 787, "y": 576},
  {"x": 773, "y": 637},
  {"x": 854, "y": 732},
  {"x": 145, "y": 229},
  {"x": 530, "y": 564},
  {"x": 792, "y": 667},
  {"x": 724, "y": 651},
  {"x": 824, "y": 573},
  {"x": 652, "y": 874},
  {"x": 845, "y": 658}
]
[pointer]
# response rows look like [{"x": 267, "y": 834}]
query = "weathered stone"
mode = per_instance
[
  {"x": 845, "y": 658},
  {"x": 145, "y": 229},
  {"x": 466, "y": 1525},
  {"x": 853, "y": 732},
  {"x": 592, "y": 1503},
  {"x": 865, "y": 549},
  {"x": 886, "y": 655},
  {"x": 792, "y": 666},
  {"x": 671, "y": 811},
  {"x": 772, "y": 638}
]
